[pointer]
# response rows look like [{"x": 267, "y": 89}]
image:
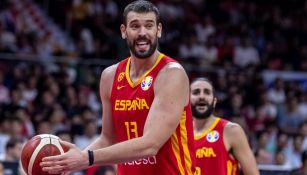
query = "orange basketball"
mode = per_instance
[{"x": 38, "y": 147}]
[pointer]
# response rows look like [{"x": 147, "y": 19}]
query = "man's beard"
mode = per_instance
[
  {"x": 202, "y": 115},
  {"x": 142, "y": 55}
]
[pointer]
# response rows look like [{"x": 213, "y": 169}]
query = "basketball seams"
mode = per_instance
[
  {"x": 45, "y": 139},
  {"x": 58, "y": 145}
]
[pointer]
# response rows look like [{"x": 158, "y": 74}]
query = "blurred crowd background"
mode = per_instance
[{"x": 52, "y": 53}]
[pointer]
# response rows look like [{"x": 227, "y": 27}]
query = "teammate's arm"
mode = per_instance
[
  {"x": 106, "y": 137},
  {"x": 240, "y": 148}
]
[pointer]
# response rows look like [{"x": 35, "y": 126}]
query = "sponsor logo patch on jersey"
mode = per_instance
[
  {"x": 146, "y": 83},
  {"x": 213, "y": 136},
  {"x": 121, "y": 76}
]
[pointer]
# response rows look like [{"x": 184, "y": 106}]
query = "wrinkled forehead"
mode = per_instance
[
  {"x": 141, "y": 17},
  {"x": 201, "y": 85}
]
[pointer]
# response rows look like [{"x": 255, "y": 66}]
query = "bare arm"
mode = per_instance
[
  {"x": 106, "y": 137},
  {"x": 162, "y": 120},
  {"x": 237, "y": 142}
]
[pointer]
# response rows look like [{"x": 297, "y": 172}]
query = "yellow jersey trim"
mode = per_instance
[
  {"x": 184, "y": 142},
  {"x": 175, "y": 147},
  {"x": 134, "y": 84},
  {"x": 208, "y": 130}
]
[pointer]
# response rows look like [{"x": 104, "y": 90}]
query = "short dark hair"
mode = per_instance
[
  {"x": 206, "y": 80},
  {"x": 13, "y": 142},
  {"x": 141, "y": 6}
]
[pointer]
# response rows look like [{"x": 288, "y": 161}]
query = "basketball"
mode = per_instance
[{"x": 36, "y": 149}]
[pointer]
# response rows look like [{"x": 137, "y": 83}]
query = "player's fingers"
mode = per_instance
[
  {"x": 58, "y": 169},
  {"x": 53, "y": 163},
  {"x": 53, "y": 158},
  {"x": 67, "y": 144}
]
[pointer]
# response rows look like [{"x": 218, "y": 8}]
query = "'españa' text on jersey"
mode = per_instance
[
  {"x": 212, "y": 158},
  {"x": 131, "y": 103}
]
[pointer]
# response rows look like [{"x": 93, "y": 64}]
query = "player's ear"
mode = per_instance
[
  {"x": 123, "y": 31},
  {"x": 214, "y": 101},
  {"x": 159, "y": 34}
]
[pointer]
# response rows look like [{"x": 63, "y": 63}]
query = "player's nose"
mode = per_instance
[{"x": 142, "y": 31}]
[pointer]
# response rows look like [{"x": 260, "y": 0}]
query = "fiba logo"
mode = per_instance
[
  {"x": 146, "y": 83},
  {"x": 213, "y": 136}
]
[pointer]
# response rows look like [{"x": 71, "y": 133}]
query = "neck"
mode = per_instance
[
  {"x": 9, "y": 158},
  {"x": 139, "y": 66},
  {"x": 201, "y": 125}
]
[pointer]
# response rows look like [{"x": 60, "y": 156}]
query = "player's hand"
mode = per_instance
[{"x": 74, "y": 159}]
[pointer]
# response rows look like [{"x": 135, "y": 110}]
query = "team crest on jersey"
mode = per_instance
[
  {"x": 146, "y": 83},
  {"x": 121, "y": 76},
  {"x": 213, "y": 136}
]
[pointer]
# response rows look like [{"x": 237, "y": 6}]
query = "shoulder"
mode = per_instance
[
  {"x": 172, "y": 72},
  {"x": 172, "y": 81},
  {"x": 172, "y": 68},
  {"x": 106, "y": 79},
  {"x": 109, "y": 72},
  {"x": 233, "y": 133},
  {"x": 233, "y": 128}
]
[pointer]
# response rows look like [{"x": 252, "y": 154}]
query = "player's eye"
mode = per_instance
[
  {"x": 207, "y": 91},
  {"x": 196, "y": 92},
  {"x": 134, "y": 26},
  {"x": 149, "y": 26}
]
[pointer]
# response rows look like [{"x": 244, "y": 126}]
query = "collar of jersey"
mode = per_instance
[
  {"x": 134, "y": 84},
  {"x": 208, "y": 130}
]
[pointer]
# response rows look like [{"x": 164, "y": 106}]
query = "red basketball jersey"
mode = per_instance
[
  {"x": 212, "y": 158},
  {"x": 131, "y": 102}
]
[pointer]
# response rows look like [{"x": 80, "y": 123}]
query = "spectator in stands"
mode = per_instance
[
  {"x": 4, "y": 135},
  {"x": 280, "y": 159},
  {"x": 4, "y": 91},
  {"x": 205, "y": 29},
  {"x": 15, "y": 128},
  {"x": 304, "y": 163},
  {"x": 7, "y": 40},
  {"x": 65, "y": 135},
  {"x": 263, "y": 156},
  {"x": 57, "y": 117},
  {"x": 246, "y": 54},
  {"x": 267, "y": 107},
  {"x": 289, "y": 118},
  {"x": 302, "y": 106},
  {"x": 277, "y": 94},
  {"x": 12, "y": 156},
  {"x": 282, "y": 141},
  {"x": 294, "y": 152},
  {"x": 190, "y": 50},
  {"x": 27, "y": 125},
  {"x": 303, "y": 131},
  {"x": 90, "y": 134},
  {"x": 43, "y": 127},
  {"x": 210, "y": 54},
  {"x": 13, "y": 150}
]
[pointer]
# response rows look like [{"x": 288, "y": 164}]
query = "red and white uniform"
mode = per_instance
[
  {"x": 131, "y": 102},
  {"x": 212, "y": 158}
]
